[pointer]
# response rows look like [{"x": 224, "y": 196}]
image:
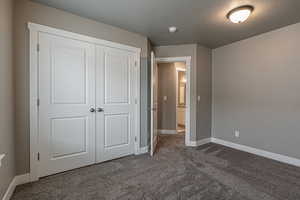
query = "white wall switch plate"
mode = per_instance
[
  {"x": 165, "y": 98},
  {"x": 1, "y": 157},
  {"x": 199, "y": 98},
  {"x": 237, "y": 133}
]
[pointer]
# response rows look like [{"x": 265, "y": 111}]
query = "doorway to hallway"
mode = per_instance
[{"x": 170, "y": 100}]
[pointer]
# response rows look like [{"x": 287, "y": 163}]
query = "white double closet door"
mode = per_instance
[{"x": 87, "y": 103}]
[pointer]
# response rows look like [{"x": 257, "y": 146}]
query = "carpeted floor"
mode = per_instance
[{"x": 209, "y": 172}]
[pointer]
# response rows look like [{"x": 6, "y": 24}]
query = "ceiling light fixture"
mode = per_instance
[
  {"x": 172, "y": 29},
  {"x": 240, "y": 14}
]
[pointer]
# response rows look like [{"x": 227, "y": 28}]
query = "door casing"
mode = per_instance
[
  {"x": 34, "y": 30},
  {"x": 187, "y": 61},
  {"x": 154, "y": 85}
]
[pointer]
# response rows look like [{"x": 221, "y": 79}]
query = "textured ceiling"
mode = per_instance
[{"x": 201, "y": 21}]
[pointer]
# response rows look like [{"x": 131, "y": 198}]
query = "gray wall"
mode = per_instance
[
  {"x": 7, "y": 171},
  {"x": 256, "y": 84},
  {"x": 27, "y": 11},
  {"x": 179, "y": 51},
  {"x": 204, "y": 90},
  {"x": 167, "y": 87}
]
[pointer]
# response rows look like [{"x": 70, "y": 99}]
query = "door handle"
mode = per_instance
[
  {"x": 92, "y": 110},
  {"x": 100, "y": 109}
]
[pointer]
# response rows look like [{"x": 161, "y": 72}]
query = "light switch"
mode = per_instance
[
  {"x": 165, "y": 98},
  {"x": 1, "y": 157},
  {"x": 199, "y": 98}
]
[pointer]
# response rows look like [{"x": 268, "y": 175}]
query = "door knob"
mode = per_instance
[
  {"x": 92, "y": 110},
  {"x": 100, "y": 109}
]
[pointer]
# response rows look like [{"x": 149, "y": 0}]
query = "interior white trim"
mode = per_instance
[
  {"x": 173, "y": 59},
  {"x": 34, "y": 29},
  {"x": 33, "y": 76},
  {"x": 176, "y": 106},
  {"x": 68, "y": 34},
  {"x": 137, "y": 107},
  {"x": 10, "y": 190},
  {"x": 17, "y": 180},
  {"x": 22, "y": 179},
  {"x": 199, "y": 142},
  {"x": 167, "y": 131},
  {"x": 143, "y": 150},
  {"x": 188, "y": 66},
  {"x": 259, "y": 152}
]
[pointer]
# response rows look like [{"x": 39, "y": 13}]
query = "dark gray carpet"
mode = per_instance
[{"x": 209, "y": 172}]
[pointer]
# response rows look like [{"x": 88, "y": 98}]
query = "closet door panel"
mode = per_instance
[
  {"x": 115, "y": 103},
  {"x": 66, "y": 93}
]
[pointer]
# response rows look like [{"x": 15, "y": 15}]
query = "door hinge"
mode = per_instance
[
  {"x": 38, "y": 47},
  {"x": 135, "y": 63},
  {"x": 135, "y": 139},
  {"x": 38, "y": 156},
  {"x": 135, "y": 101},
  {"x": 38, "y": 102}
]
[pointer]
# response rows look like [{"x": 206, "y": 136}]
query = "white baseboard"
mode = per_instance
[
  {"x": 10, "y": 190},
  {"x": 199, "y": 142},
  {"x": 259, "y": 152},
  {"x": 167, "y": 131},
  {"x": 263, "y": 153},
  {"x": 22, "y": 179},
  {"x": 143, "y": 150},
  {"x": 17, "y": 180}
]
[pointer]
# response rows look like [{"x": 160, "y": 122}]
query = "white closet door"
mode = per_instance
[
  {"x": 67, "y": 93},
  {"x": 115, "y": 103}
]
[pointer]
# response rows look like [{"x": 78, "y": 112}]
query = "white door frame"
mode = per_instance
[
  {"x": 188, "y": 66},
  {"x": 177, "y": 83},
  {"x": 34, "y": 30}
]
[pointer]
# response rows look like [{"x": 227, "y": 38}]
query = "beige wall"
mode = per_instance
[
  {"x": 7, "y": 171},
  {"x": 167, "y": 87},
  {"x": 27, "y": 11},
  {"x": 256, "y": 84}
]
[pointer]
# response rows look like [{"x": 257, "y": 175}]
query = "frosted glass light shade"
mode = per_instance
[{"x": 240, "y": 14}]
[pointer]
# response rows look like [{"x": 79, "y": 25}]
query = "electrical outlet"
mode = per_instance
[{"x": 237, "y": 133}]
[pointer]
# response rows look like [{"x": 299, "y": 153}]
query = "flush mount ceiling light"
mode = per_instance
[
  {"x": 172, "y": 29},
  {"x": 240, "y": 14}
]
